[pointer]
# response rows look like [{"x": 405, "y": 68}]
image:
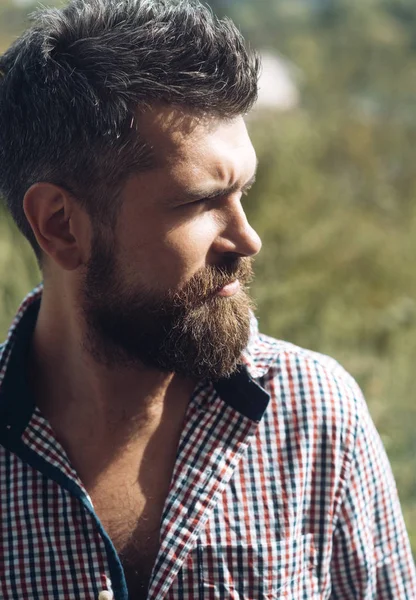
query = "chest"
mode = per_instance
[
  {"x": 131, "y": 515},
  {"x": 247, "y": 543}
]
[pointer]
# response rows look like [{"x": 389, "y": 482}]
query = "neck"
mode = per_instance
[{"x": 96, "y": 410}]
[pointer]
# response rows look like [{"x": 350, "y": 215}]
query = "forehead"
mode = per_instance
[{"x": 183, "y": 142}]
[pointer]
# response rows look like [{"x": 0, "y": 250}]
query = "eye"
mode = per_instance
[
  {"x": 200, "y": 201},
  {"x": 212, "y": 199},
  {"x": 207, "y": 200}
]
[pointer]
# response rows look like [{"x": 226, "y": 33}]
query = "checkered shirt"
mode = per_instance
[{"x": 281, "y": 489}]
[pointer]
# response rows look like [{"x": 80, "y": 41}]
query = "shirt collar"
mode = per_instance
[
  {"x": 13, "y": 355},
  {"x": 16, "y": 401}
]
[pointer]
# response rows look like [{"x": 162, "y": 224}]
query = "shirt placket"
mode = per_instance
[{"x": 39, "y": 438}]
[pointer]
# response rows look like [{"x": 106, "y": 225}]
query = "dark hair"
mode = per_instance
[{"x": 72, "y": 85}]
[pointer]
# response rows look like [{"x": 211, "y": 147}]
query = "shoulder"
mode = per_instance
[
  {"x": 311, "y": 388},
  {"x": 309, "y": 370}
]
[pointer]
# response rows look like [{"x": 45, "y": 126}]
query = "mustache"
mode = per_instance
[{"x": 207, "y": 282}]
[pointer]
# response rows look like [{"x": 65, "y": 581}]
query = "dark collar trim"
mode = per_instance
[
  {"x": 16, "y": 400},
  {"x": 242, "y": 393}
]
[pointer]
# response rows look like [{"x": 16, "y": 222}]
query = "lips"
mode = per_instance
[{"x": 230, "y": 289}]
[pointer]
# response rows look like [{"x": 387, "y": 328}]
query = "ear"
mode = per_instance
[{"x": 60, "y": 225}]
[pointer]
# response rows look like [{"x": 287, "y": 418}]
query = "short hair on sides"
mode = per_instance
[{"x": 72, "y": 85}]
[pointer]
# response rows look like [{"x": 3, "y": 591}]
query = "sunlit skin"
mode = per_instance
[
  {"x": 173, "y": 223},
  {"x": 167, "y": 230}
]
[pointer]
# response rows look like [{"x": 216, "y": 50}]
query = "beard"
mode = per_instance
[{"x": 190, "y": 331}]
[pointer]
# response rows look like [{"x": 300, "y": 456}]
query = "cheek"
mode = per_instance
[
  {"x": 168, "y": 256},
  {"x": 188, "y": 245}
]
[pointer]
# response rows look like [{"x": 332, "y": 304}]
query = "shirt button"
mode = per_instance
[{"x": 105, "y": 595}]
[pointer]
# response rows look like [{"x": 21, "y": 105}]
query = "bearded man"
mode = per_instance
[{"x": 153, "y": 443}]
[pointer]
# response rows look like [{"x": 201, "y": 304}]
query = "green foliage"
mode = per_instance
[
  {"x": 12, "y": 20},
  {"x": 18, "y": 270},
  {"x": 334, "y": 203}
]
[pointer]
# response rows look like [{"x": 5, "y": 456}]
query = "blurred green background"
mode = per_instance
[{"x": 335, "y": 198}]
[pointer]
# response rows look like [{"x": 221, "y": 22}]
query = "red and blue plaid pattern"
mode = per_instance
[{"x": 281, "y": 489}]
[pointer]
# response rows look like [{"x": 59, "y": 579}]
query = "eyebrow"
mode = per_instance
[{"x": 189, "y": 196}]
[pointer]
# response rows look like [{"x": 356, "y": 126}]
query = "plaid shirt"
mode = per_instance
[{"x": 281, "y": 489}]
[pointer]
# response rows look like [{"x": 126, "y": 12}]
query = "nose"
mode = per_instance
[{"x": 237, "y": 235}]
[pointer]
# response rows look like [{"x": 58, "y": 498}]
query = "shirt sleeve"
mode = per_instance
[{"x": 371, "y": 557}]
